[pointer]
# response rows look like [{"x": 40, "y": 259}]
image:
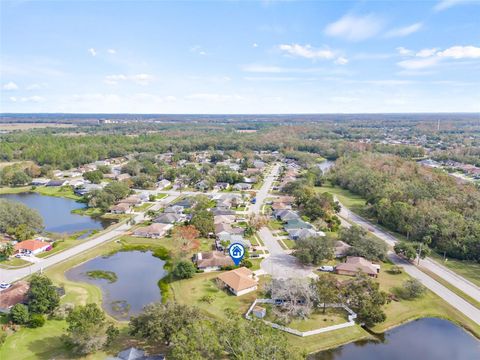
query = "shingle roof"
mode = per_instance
[{"x": 238, "y": 279}]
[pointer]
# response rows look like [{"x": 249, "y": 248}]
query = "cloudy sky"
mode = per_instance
[{"x": 240, "y": 57}]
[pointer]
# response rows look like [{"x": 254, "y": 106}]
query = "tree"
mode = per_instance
[
  {"x": 19, "y": 314},
  {"x": 87, "y": 330},
  {"x": 15, "y": 214},
  {"x": 412, "y": 288},
  {"x": 36, "y": 321},
  {"x": 160, "y": 322},
  {"x": 186, "y": 238},
  {"x": 95, "y": 176},
  {"x": 42, "y": 296},
  {"x": 8, "y": 250},
  {"x": 314, "y": 250},
  {"x": 203, "y": 222},
  {"x": 183, "y": 270},
  {"x": 104, "y": 169},
  {"x": 363, "y": 245},
  {"x": 197, "y": 341},
  {"x": 363, "y": 295},
  {"x": 327, "y": 290},
  {"x": 405, "y": 249},
  {"x": 100, "y": 199},
  {"x": 117, "y": 189}
]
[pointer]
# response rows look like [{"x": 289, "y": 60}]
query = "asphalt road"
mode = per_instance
[
  {"x": 453, "y": 299},
  {"x": 11, "y": 275}
]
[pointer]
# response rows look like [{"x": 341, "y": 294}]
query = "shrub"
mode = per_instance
[
  {"x": 183, "y": 270},
  {"x": 19, "y": 314},
  {"x": 395, "y": 270},
  {"x": 36, "y": 321},
  {"x": 412, "y": 289}
]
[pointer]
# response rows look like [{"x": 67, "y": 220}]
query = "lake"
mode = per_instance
[
  {"x": 425, "y": 339},
  {"x": 56, "y": 212},
  {"x": 136, "y": 285}
]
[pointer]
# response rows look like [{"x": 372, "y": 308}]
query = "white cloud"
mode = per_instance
[
  {"x": 404, "y": 51},
  {"x": 141, "y": 79},
  {"x": 112, "y": 51},
  {"x": 404, "y": 31},
  {"x": 418, "y": 64},
  {"x": 307, "y": 51},
  {"x": 12, "y": 99},
  {"x": 426, "y": 52},
  {"x": 214, "y": 97},
  {"x": 255, "y": 45},
  {"x": 461, "y": 52},
  {"x": 341, "y": 60},
  {"x": 197, "y": 49},
  {"x": 35, "y": 99},
  {"x": 445, "y": 4},
  {"x": 35, "y": 86},
  {"x": 355, "y": 28},
  {"x": 10, "y": 86},
  {"x": 92, "y": 51}
]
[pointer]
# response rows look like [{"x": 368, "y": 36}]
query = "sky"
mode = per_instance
[{"x": 219, "y": 57}]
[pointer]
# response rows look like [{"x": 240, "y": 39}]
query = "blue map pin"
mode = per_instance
[{"x": 236, "y": 251}]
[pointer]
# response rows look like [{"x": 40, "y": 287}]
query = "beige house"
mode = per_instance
[
  {"x": 155, "y": 230},
  {"x": 239, "y": 281},
  {"x": 354, "y": 264},
  {"x": 121, "y": 208},
  {"x": 212, "y": 261}
]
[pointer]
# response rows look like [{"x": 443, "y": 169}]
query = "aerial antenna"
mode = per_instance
[{"x": 438, "y": 125}]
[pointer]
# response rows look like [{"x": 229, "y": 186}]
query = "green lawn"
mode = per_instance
[
  {"x": 347, "y": 198},
  {"x": 142, "y": 207},
  {"x": 13, "y": 261},
  {"x": 63, "y": 191},
  {"x": 468, "y": 269},
  {"x": 316, "y": 320}
]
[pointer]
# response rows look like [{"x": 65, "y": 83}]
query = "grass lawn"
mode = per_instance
[
  {"x": 289, "y": 243},
  {"x": 316, "y": 320},
  {"x": 160, "y": 196},
  {"x": 191, "y": 291},
  {"x": 142, "y": 207},
  {"x": 14, "y": 190},
  {"x": 13, "y": 261},
  {"x": 88, "y": 211},
  {"x": 275, "y": 224},
  {"x": 468, "y": 269},
  {"x": 59, "y": 191},
  {"x": 347, "y": 198}
]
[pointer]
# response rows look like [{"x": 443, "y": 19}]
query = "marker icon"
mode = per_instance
[{"x": 236, "y": 251}]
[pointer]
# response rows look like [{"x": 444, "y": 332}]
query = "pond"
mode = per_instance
[
  {"x": 134, "y": 285},
  {"x": 427, "y": 338},
  {"x": 56, "y": 212}
]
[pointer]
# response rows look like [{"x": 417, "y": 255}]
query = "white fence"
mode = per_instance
[{"x": 351, "y": 319}]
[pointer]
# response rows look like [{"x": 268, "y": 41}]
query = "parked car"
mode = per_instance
[
  {"x": 253, "y": 201},
  {"x": 326, "y": 268},
  {"x": 4, "y": 286}
]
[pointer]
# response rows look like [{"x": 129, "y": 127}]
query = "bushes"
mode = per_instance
[
  {"x": 412, "y": 289},
  {"x": 36, "y": 321},
  {"x": 19, "y": 314},
  {"x": 183, "y": 270}
]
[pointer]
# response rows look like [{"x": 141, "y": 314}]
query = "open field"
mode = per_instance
[
  {"x": 468, "y": 269},
  {"x": 28, "y": 126},
  {"x": 64, "y": 191}
]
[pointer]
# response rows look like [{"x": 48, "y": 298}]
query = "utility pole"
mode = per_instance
[{"x": 419, "y": 253}]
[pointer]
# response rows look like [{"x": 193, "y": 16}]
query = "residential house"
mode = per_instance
[
  {"x": 297, "y": 224},
  {"x": 186, "y": 203},
  {"x": 57, "y": 183},
  {"x": 300, "y": 234},
  {"x": 202, "y": 185},
  {"x": 86, "y": 188},
  {"x": 15, "y": 294},
  {"x": 32, "y": 247},
  {"x": 155, "y": 230},
  {"x": 222, "y": 186},
  {"x": 39, "y": 182},
  {"x": 212, "y": 261},
  {"x": 242, "y": 186},
  {"x": 341, "y": 248},
  {"x": 228, "y": 239},
  {"x": 169, "y": 218},
  {"x": 164, "y": 183},
  {"x": 222, "y": 228},
  {"x": 174, "y": 209},
  {"x": 135, "y": 354},
  {"x": 121, "y": 208},
  {"x": 239, "y": 281},
  {"x": 354, "y": 264},
  {"x": 222, "y": 211},
  {"x": 224, "y": 219},
  {"x": 133, "y": 200},
  {"x": 259, "y": 164},
  {"x": 286, "y": 215},
  {"x": 276, "y": 206}
]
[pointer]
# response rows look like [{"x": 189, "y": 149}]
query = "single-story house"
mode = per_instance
[
  {"x": 15, "y": 294},
  {"x": 281, "y": 206},
  {"x": 174, "y": 209},
  {"x": 57, "y": 183},
  {"x": 156, "y": 230},
  {"x": 121, "y": 208},
  {"x": 186, "y": 203},
  {"x": 39, "y": 181},
  {"x": 286, "y": 215},
  {"x": 135, "y": 354},
  {"x": 297, "y": 224},
  {"x": 169, "y": 218},
  {"x": 242, "y": 186},
  {"x": 300, "y": 234},
  {"x": 223, "y": 228},
  {"x": 32, "y": 246},
  {"x": 224, "y": 219},
  {"x": 202, "y": 185},
  {"x": 212, "y": 261},
  {"x": 239, "y": 281},
  {"x": 221, "y": 211},
  {"x": 231, "y": 239},
  {"x": 341, "y": 248},
  {"x": 86, "y": 188},
  {"x": 354, "y": 264},
  {"x": 162, "y": 184},
  {"x": 222, "y": 186},
  {"x": 133, "y": 200}
]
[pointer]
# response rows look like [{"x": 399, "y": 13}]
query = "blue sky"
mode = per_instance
[{"x": 240, "y": 56}]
